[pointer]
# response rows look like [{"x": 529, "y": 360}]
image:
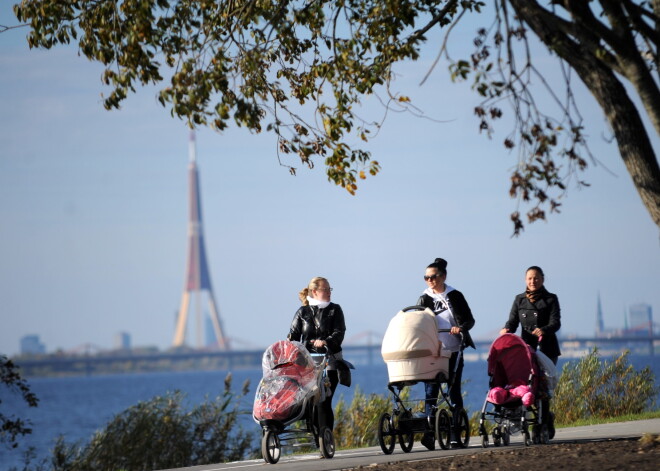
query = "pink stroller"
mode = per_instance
[{"x": 514, "y": 401}]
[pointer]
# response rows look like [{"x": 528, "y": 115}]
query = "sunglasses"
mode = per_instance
[
  {"x": 329, "y": 290},
  {"x": 431, "y": 277}
]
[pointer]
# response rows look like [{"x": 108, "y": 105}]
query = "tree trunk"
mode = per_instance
[{"x": 624, "y": 118}]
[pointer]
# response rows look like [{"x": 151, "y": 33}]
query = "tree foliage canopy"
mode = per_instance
[{"x": 299, "y": 68}]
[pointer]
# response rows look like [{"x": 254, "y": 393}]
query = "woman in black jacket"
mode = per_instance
[
  {"x": 319, "y": 325},
  {"x": 451, "y": 312},
  {"x": 538, "y": 313}
]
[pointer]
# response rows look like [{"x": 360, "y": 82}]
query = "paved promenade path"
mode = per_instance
[{"x": 350, "y": 459}]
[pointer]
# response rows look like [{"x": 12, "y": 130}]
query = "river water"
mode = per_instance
[{"x": 76, "y": 407}]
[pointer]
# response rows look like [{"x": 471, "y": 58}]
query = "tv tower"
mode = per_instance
[
  {"x": 600, "y": 324},
  {"x": 198, "y": 279}
]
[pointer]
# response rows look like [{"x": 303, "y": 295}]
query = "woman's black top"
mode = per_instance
[
  {"x": 311, "y": 323},
  {"x": 544, "y": 314}
]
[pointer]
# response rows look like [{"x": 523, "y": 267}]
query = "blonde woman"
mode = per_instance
[{"x": 319, "y": 325}]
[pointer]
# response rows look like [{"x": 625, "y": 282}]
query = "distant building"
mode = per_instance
[
  {"x": 122, "y": 341},
  {"x": 30, "y": 345},
  {"x": 641, "y": 319}
]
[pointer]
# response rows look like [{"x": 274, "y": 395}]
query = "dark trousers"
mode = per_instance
[
  {"x": 432, "y": 389},
  {"x": 545, "y": 403},
  {"x": 326, "y": 414}
]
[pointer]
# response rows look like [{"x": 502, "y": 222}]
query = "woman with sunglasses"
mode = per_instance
[
  {"x": 451, "y": 312},
  {"x": 319, "y": 325}
]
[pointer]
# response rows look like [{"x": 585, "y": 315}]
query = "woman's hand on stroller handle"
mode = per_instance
[
  {"x": 318, "y": 343},
  {"x": 454, "y": 330}
]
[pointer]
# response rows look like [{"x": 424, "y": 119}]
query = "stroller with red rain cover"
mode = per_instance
[
  {"x": 517, "y": 386},
  {"x": 292, "y": 388}
]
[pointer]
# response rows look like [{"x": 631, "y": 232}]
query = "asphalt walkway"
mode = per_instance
[{"x": 348, "y": 459}]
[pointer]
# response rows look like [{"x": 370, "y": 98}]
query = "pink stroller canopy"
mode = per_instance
[{"x": 511, "y": 361}]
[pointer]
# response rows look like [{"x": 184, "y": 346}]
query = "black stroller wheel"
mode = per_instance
[
  {"x": 462, "y": 428},
  {"x": 386, "y": 435},
  {"x": 327, "y": 443},
  {"x": 497, "y": 436},
  {"x": 506, "y": 435},
  {"x": 406, "y": 441},
  {"x": 442, "y": 428},
  {"x": 270, "y": 447}
]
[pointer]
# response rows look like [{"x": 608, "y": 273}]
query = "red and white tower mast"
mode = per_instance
[{"x": 198, "y": 278}]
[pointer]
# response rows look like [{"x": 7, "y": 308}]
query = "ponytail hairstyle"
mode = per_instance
[
  {"x": 315, "y": 283},
  {"x": 440, "y": 264}
]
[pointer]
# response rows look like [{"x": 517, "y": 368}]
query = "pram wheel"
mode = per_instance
[
  {"x": 327, "y": 443},
  {"x": 406, "y": 441},
  {"x": 270, "y": 447},
  {"x": 462, "y": 428},
  {"x": 497, "y": 436},
  {"x": 442, "y": 428},
  {"x": 506, "y": 435},
  {"x": 386, "y": 436}
]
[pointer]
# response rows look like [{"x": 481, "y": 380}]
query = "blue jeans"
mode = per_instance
[{"x": 432, "y": 389}]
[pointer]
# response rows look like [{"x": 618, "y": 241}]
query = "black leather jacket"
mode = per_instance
[
  {"x": 330, "y": 327},
  {"x": 544, "y": 314},
  {"x": 459, "y": 308}
]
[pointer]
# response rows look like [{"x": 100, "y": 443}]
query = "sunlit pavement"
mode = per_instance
[{"x": 348, "y": 459}]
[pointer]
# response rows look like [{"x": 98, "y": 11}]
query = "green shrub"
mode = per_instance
[
  {"x": 160, "y": 434},
  {"x": 597, "y": 388},
  {"x": 357, "y": 425}
]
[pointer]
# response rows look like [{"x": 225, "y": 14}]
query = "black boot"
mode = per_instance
[
  {"x": 428, "y": 440},
  {"x": 551, "y": 425}
]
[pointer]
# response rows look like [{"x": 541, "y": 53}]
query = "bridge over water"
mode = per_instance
[{"x": 125, "y": 362}]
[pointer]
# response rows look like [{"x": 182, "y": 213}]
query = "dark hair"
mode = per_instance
[
  {"x": 440, "y": 264},
  {"x": 535, "y": 268}
]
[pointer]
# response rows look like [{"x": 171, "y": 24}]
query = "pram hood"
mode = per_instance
[
  {"x": 289, "y": 377},
  {"x": 411, "y": 334},
  {"x": 411, "y": 348},
  {"x": 512, "y": 362}
]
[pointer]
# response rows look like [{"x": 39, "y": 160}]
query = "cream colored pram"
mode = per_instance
[{"x": 413, "y": 353}]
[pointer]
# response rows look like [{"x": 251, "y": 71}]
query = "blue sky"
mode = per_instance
[{"x": 93, "y": 212}]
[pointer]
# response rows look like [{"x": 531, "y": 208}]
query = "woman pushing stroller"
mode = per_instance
[
  {"x": 537, "y": 312},
  {"x": 319, "y": 325},
  {"x": 451, "y": 312}
]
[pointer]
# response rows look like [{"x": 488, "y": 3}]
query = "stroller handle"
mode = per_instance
[{"x": 413, "y": 308}]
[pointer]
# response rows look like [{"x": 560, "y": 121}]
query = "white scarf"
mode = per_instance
[{"x": 316, "y": 302}]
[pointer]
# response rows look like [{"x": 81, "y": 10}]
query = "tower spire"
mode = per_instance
[
  {"x": 198, "y": 278},
  {"x": 600, "y": 324}
]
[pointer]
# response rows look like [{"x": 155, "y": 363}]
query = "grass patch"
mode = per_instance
[{"x": 609, "y": 420}]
